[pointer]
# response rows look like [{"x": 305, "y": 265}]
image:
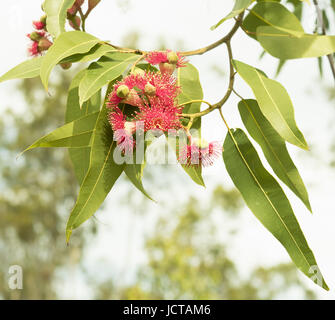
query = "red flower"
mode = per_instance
[
  {"x": 40, "y": 42},
  {"x": 124, "y": 91},
  {"x": 38, "y": 25},
  {"x": 154, "y": 95},
  {"x": 200, "y": 152},
  {"x": 159, "y": 116},
  {"x": 123, "y": 130},
  {"x": 137, "y": 90},
  {"x": 168, "y": 56},
  {"x": 33, "y": 50}
]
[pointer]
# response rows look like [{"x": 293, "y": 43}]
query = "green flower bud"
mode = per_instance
[
  {"x": 138, "y": 71},
  {"x": 122, "y": 91},
  {"x": 44, "y": 44},
  {"x": 172, "y": 57},
  {"x": 44, "y": 19},
  {"x": 66, "y": 65},
  {"x": 35, "y": 36},
  {"x": 167, "y": 67},
  {"x": 150, "y": 90}
]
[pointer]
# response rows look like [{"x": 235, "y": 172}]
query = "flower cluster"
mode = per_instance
[
  {"x": 153, "y": 100},
  {"x": 40, "y": 38},
  {"x": 153, "y": 94}
]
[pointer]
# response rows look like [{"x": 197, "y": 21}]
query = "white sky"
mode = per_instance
[{"x": 190, "y": 21}]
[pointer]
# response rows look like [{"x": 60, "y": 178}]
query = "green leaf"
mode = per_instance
[
  {"x": 274, "y": 103},
  {"x": 274, "y": 148},
  {"x": 188, "y": 80},
  {"x": 134, "y": 172},
  {"x": 75, "y": 134},
  {"x": 95, "y": 53},
  {"x": 320, "y": 66},
  {"x": 80, "y": 157},
  {"x": 99, "y": 73},
  {"x": 266, "y": 200},
  {"x": 275, "y": 15},
  {"x": 67, "y": 44},
  {"x": 194, "y": 171},
  {"x": 100, "y": 177},
  {"x": 240, "y": 5},
  {"x": 26, "y": 69},
  {"x": 56, "y": 11},
  {"x": 333, "y": 4},
  {"x": 283, "y": 46}
]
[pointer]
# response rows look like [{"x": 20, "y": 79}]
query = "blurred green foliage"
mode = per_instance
[
  {"x": 187, "y": 259},
  {"x": 37, "y": 192}
]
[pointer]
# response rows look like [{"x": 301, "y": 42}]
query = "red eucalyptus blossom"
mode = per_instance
[
  {"x": 39, "y": 25},
  {"x": 167, "y": 60},
  {"x": 40, "y": 42},
  {"x": 123, "y": 130},
  {"x": 200, "y": 152}
]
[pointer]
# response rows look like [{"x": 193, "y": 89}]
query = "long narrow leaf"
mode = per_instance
[
  {"x": 102, "y": 173},
  {"x": 67, "y": 44},
  {"x": 80, "y": 157},
  {"x": 75, "y": 134},
  {"x": 274, "y": 148},
  {"x": 26, "y": 69},
  {"x": 267, "y": 201},
  {"x": 274, "y": 102},
  {"x": 56, "y": 11}
]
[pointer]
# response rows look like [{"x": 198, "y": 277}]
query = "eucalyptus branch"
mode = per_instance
[
  {"x": 226, "y": 39},
  {"x": 230, "y": 89},
  {"x": 83, "y": 19},
  {"x": 321, "y": 22},
  {"x": 224, "y": 120},
  {"x": 137, "y": 61}
]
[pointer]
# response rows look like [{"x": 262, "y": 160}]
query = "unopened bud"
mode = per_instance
[
  {"x": 138, "y": 71},
  {"x": 72, "y": 11},
  {"x": 35, "y": 36},
  {"x": 38, "y": 25},
  {"x": 75, "y": 23},
  {"x": 76, "y": 6},
  {"x": 172, "y": 57},
  {"x": 44, "y": 19},
  {"x": 44, "y": 44},
  {"x": 66, "y": 65},
  {"x": 149, "y": 89},
  {"x": 92, "y": 4},
  {"x": 167, "y": 67},
  {"x": 122, "y": 91}
]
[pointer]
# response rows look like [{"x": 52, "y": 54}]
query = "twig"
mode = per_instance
[
  {"x": 83, "y": 18},
  {"x": 225, "y": 39},
  {"x": 230, "y": 89},
  {"x": 200, "y": 51},
  {"x": 321, "y": 22}
]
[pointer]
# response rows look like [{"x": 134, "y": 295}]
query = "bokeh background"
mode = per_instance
[{"x": 194, "y": 243}]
